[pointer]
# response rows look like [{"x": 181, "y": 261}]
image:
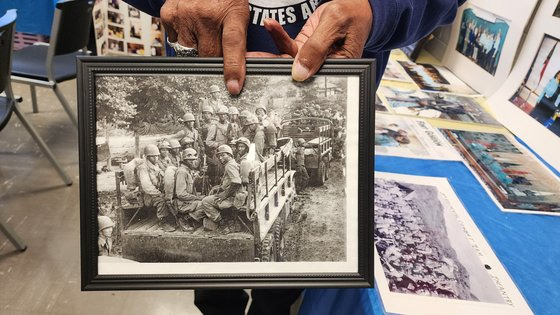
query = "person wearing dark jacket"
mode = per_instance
[{"x": 307, "y": 30}]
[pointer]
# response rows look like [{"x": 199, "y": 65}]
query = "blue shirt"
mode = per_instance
[
  {"x": 549, "y": 91},
  {"x": 396, "y": 23}
]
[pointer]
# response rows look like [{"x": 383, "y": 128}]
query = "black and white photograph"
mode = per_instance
[
  {"x": 186, "y": 173},
  {"x": 435, "y": 105},
  {"x": 481, "y": 37},
  {"x": 430, "y": 255}
]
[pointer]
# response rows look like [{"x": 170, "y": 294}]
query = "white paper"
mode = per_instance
[
  {"x": 533, "y": 133},
  {"x": 410, "y": 137},
  {"x": 492, "y": 16},
  {"x": 430, "y": 257}
]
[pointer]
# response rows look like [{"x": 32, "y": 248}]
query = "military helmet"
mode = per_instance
[
  {"x": 164, "y": 145},
  {"x": 245, "y": 141},
  {"x": 260, "y": 106},
  {"x": 186, "y": 140},
  {"x": 244, "y": 113},
  {"x": 301, "y": 141},
  {"x": 222, "y": 110},
  {"x": 233, "y": 110},
  {"x": 214, "y": 88},
  {"x": 188, "y": 117},
  {"x": 104, "y": 222},
  {"x": 174, "y": 143},
  {"x": 251, "y": 119},
  {"x": 224, "y": 148},
  {"x": 190, "y": 154},
  {"x": 208, "y": 108},
  {"x": 151, "y": 149}
]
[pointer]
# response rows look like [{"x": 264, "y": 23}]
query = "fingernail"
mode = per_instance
[
  {"x": 299, "y": 72},
  {"x": 233, "y": 87}
]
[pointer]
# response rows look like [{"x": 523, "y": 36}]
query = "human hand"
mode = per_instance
[
  {"x": 337, "y": 29},
  {"x": 215, "y": 28}
]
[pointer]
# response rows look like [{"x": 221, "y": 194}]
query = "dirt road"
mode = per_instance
[{"x": 317, "y": 228}]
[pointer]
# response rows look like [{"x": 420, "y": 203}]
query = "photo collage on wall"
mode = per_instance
[{"x": 122, "y": 29}]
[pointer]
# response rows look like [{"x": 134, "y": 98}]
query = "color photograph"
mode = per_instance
[
  {"x": 430, "y": 255},
  {"x": 435, "y": 105},
  {"x": 539, "y": 93},
  {"x": 513, "y": 176},
  {"x": 481, "y": 37},
  {"x": 395, "y": 72},
  {"x": 410, "y": 137},
  {"x": 433, "y": 78}
]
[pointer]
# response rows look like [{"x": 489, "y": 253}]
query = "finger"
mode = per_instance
[
  {"x": 283, "y": 41},
  {"x": 312, "y": 54},
  {"x": 234, "y": 43}
]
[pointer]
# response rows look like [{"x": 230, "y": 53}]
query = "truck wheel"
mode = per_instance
[
  {"x": 279, "y": 244},
  {"x": 267, "y": 249},
  {"x": 320, "y": 179}
]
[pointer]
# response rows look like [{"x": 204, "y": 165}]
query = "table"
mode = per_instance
[{"x": 34, "y": 16}]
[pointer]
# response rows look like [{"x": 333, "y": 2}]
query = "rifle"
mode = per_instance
[{"x": 205, "y": 182}]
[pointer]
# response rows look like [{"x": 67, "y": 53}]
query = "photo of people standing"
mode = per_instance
[
  {"x": 481, "y": 38},
  {"x": 539, "y": 94}
]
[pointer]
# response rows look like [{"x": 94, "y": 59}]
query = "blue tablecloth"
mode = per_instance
[
  {"x": 34, "y": 16},
  {"x": 527, "y": 245}
]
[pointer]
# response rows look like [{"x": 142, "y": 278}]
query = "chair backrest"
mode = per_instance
[
  {"x": 7, "y": 23},
  {"x": 71, "y": 26}
]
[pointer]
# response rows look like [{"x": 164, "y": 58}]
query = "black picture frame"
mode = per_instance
[{"x": 90, "y": 68}]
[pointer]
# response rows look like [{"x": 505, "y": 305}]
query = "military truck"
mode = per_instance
[
  {"x": 318, "y": 133},
  {"x": 271, "y": 190}
]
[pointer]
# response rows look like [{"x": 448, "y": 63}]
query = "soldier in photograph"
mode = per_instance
[
  {"x": 150, "y": 176},
  {"x": 207, "y": 120},
  {"x": 174, "y": 152},
  {"x": 189, "y": 132},
  {"x": 301, "y": 176},
  {"x": 217, "y": 136},
  {"x": 223, "y": 195},
  {"x": 242, "y": 145},
  {"x": 213, "y": 100},
  {"x": 269, "y": 129},
  {"x": 164, "y": 160},
  {"x": 104, "y": 240},
  {"x": 255, "y": 133},
  {"x": 234, "y": 128},
  {"x": 185, "y": 198}
]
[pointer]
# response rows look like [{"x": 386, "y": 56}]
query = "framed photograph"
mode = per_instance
[
  {"x": 185, "y": 186},
  {"x": 430, "y": 254},
  {"x": 513, "y": 176}
]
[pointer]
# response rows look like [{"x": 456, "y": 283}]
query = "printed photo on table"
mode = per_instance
[
  {"x": 482, "y": 35},
  {"x": 410, "y": 137},
  {"x": 516, "y": 179},
  {"x": 395, "y": 72},
  {"x": 435, "y": 105},
  {"x": 433, "y": 78},
  {"x": 539, "y": 93},
  {"x": 430, "y": 254}
]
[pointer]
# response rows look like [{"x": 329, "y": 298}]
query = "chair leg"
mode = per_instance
[
  {"x": 66, "y": 105},
  {"x": 42, "y": 145},
  {"x": 34, "y": 99},
  {"x": 12, "y": 236}
]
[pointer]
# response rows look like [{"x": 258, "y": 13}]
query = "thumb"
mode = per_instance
[{"x": 315, "y": 50}]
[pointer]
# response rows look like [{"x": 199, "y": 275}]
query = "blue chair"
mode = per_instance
[
  {"x": 46, "y": 65},
  {"x": 8, "y": 103}
]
